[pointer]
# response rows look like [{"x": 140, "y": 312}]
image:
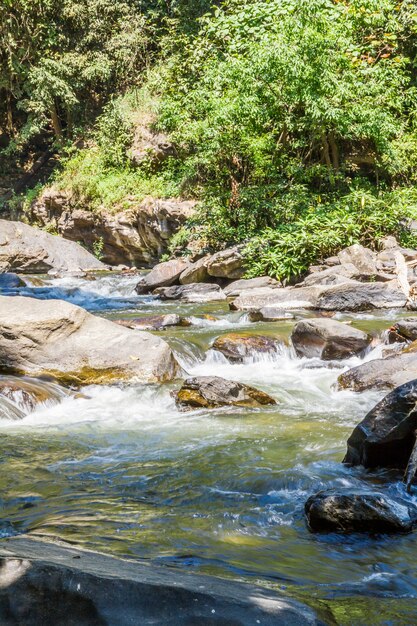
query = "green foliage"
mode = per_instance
[{"x": 98, "y": 246}]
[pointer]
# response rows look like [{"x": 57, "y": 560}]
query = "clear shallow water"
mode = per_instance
[{"x": 220, "y": 492}]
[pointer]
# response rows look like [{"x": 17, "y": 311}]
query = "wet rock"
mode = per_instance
[
  {"x": 286, "y": 298},
  {"x": 21, "y": 396},
  {"x": 358, "y": 511},
  {"x": 235, "y": 288},
  {"x": 227, "y": 263},
  {"x": 9, "y": 280},
  {"x": 45, "y": 584},
  {"x": 63, "y": 340},
  {"x": 154, "y": 322},
  {"x": 162, "y": 275},
  {"x": 362, "y": 258},
  {"x": 270, "y": 314},
  {"x": 211, "y": 391},
  {"x": 327, "y": 339},
  {"x": 29, "y": 250},
  {"x": 197, "y": 292},
  {"x": 387, "y": 373},
  {"x": 237, "y": 347},
  {"x": 406, "y": 328},
  {"x": 386, "y": 436},
  {"x": 361, "y": 297},
  {"x": 195, "y": 272}
]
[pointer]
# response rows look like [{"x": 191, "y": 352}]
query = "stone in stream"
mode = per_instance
[
  {"x": 195, "y": 292},
  {"x": 406, "y": 328},
  {"x": 8, "y": 280},
  {"x": 162, "y": 275},
  {"x": 361, "y": 297},
  {"x": 358, "y": 511},
  {"x": 42, "y": 583},
  {"x": 237, "y": 287},
  {"x": 212, "y": 391},
  {"x": 237, "y": 347},
  {"x": 387, "y": 373},
  {"x": 68, "y": 343},
  {"x": 29, "y": 250},
  {"x": 285, "y": 298},
  {"x": 270, "y": 314},
  {"x": 27, "y": 393},
  {"x": 327, "y": 339},
  {"x": 154, "y": 322}
]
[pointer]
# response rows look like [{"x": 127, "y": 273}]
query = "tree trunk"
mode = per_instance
[
  {"x": 335, "y": 152},
  {"x": 9, "y": 114},
  {"x": 56, "y": 123}
]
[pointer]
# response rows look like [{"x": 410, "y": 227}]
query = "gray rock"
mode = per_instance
[
  {"x": 385, "y": 437},
  {"x": 45, "y": 584},
  {"x": 29, "y": 250},
  {"x": 238, "y": 286},
  {"x": 195, "y": 272},
  {"x": 227, "y": 263},
  {"x": 332, "y": 260},
  {"x": 362, "y": 258},
  {"x": 57, "y": 338},
  {"x": 237, "y": 347},
  {"x": 361, "y": 297},
  {"x": 286, "y": 298},
  {"x": 270, "y": 314},
  {"x": 10, "y": 281},
  {"x": 162, "y": 275},
  {"x": 197, "y": 292},
  {"x": 407, "y": 328},
  {"x": 212, "y": 391},
  {"x": 358, "y": 511},
  {"x": 327, "y": 339},
  {"x": 387, "y": 373},
  {"x": 154, "y": 322}
]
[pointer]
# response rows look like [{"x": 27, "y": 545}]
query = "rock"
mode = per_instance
[
  {"x": 286, "y": 298},
  {"x": 332, "y": 260},
  {"x": 60, "y": 339},
  {"x": 32, "y": 251},
  {"x": 137, "y": 235},
  {"x": 227, "y": 263},
  {"x": 386, "y": 436},
  {"x": 21, "y": 396},
  {"x": 406, "y": 328},
  {"x": 327, "y": 339},
  {"x": 46, "y": 584},
  {"x": 149, "y": 147},
  {"x": 387, "y": 373},
  {"x": 270, "y": 314},
  {"x": 197, "y": 292},
  {"x": 237, "y": 347},
  {"x": 361, "y": 297},
  {"x": 358, "y": 511},
  {"x": 235, "y": 288},
  {"x": 331, "y": 276},
  {"x": 10, "y": 281},
  {"x": 211, "y": 391},
  {"x": 162, "y": 275},
  {"x": 195, "y": 272},
  {"x": 362, "y": 258},
  {"x": 154, "y": 322}
]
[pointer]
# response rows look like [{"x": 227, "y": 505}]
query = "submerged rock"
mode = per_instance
[
  {"x": 327, "y": 339},
  {"x": 358, "y": 511},
  {"x": 162, "y": 275},
  {"x": 387, "y": 373},
  {"x": 32, "y": 251},
  {"x": 212, "y": 391},
  {"x": 154, "y": 322},
  {"x": 195, "y": 292},
  {"x": 236, "y": 347},
  {"x": 63, "y": 340}
]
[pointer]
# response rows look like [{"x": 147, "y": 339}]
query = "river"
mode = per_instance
[{"x": 220, "y": 492}]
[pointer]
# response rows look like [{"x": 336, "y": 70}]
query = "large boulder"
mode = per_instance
[
  {"x": 362, "y": 258},
  {"x": 387, "y": 373},
  {"x": 237, "y": 287},
  {"x": 26, "y": 249},
  {"x": 361, "y": 297},
  {"x": 195, "y": 292},
  {"x": 137, "y": 235},
  {"x": 62, "y": 340},
  {"x": 195, "y": 272},
  {"x": 212, "y": 391},
  {"x": 237, "y": 347},
  {"x": 358, "y": 511},
  {"x": 386, "y": 436},
  {"x": 327, "y": 339},
  {"x": 335, "y": 275},
  {"x": 162, "y": 275},
  {"x": 286, "y": 298},
  {"x": 227, "y": 263}
]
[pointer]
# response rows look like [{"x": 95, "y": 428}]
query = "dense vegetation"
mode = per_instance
[{"x": 293, "y": 122}]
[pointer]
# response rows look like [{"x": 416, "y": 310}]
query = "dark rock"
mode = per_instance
[
  {"x": 236, "y": 347},
  {"x": 386, "y": 436},
  {"x": 270, "y": 314},
  {"x": 154, "y": 322},
  {"x": 10, "y": 281},
  {"x": 387, "y": 373},
  {"x": 195, "y": 292},
  {"x": 406, "y": 328},
  {"x": 358, "y": 511},
  {"x": 162, "y": 275},
  {"x": 211, "y": 391},
  {"x": 361, "y": 297},
  {"x": 327, "y": 339}
]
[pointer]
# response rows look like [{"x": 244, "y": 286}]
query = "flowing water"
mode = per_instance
[{"x": 221, "y": 491}]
